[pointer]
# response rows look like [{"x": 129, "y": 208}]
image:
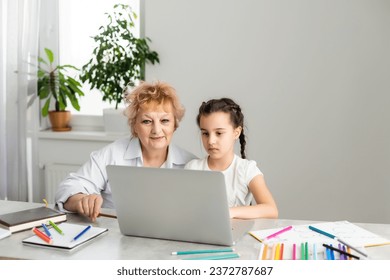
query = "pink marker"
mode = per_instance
[
  {"x": 294, "y": 254},
  {"x": 278, "y": 232}
]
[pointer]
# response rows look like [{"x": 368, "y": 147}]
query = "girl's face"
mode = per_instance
[
  {"x": 155, "y": 125},
  {"x": 218, "y": 135}
]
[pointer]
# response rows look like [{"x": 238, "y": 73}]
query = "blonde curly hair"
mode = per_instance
[{"x": 146, "y": 92}]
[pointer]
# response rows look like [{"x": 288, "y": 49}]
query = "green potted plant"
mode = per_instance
[
  {"x": 119, "y": 58},
  {"x": 55, "y": 85}
]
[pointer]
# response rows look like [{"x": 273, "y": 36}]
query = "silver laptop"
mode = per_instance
[{"x": 174, "y": 204}]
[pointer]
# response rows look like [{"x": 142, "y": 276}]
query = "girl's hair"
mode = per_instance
[
  {"x": 225, "y": 105},
  {"x": 147, "y": 92}
]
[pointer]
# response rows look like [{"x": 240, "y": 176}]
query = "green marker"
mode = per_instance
[
  {"x": 56, "y": 227},
  {"x": 224, "y": 250},
  {"x": 306, "y": 251}
]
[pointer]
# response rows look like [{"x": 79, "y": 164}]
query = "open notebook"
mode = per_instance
[{"x": 65, "y": 241}]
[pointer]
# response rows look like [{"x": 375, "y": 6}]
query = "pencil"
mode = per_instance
[{"x": 107, "y": 215}]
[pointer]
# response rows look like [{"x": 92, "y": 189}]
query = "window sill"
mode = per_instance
[
  {"x": 84, "y": 128},
  {"x": 80, "y": 135}
]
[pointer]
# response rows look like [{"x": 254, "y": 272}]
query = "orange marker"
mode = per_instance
[
  {"x": 265, "y": 252},
  {"x": 281, "y": 251},
  {"x": 43, "y": 236}
]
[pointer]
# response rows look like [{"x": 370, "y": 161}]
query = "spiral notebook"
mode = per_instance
[{"x": 65, "y": 241}]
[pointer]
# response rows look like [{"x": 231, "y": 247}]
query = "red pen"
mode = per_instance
[{"x": 43, "y": 236}]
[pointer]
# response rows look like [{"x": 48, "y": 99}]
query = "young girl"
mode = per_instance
[{"x": 221, "y": 123}]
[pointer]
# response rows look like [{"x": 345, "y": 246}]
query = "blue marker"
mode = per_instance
[
  {"x": 81, "y": 233},
  {"x": 46, "y": 230}
]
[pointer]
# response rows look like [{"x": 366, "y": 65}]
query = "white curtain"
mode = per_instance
[
  {"x": 19, "y": 39},
  {"x": 3, "y": 161}
]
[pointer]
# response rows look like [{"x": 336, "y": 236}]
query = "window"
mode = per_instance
[{"x": 78, "y": 22}]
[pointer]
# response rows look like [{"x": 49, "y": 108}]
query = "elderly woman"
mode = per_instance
[{"x": 154, "y": 113}]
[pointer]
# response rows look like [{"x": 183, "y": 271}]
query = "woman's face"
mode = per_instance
[{"x": 155, "y": 125}]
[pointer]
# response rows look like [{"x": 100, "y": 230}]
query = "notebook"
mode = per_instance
[
  {"x": 26, "y": 219},
  {"x": 64, "y": 241},
  {"x": 174, "y": 204}
]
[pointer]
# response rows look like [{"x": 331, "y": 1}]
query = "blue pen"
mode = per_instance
[
  {"x": 46, "y": 230},
  {"x": 81, "y": 233}
]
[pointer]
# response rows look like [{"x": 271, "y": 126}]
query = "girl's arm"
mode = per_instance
[{"x": 266, "y": 206}]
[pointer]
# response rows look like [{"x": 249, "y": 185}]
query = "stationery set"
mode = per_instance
[
  {"x": 65, "y": 236},
  {"x": 330, "y": 240}
]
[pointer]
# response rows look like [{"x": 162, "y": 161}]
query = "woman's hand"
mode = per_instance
[{"x": 87, "y": 205}]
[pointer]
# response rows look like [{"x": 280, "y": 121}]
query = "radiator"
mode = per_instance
[{"x": 54, "y": 174}]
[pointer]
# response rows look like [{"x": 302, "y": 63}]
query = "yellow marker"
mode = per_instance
[
  {"x": 44, "y": 200},
  {"x": 277, "y": 251}
]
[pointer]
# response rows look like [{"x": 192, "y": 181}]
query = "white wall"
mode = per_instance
[{"x": 313, "y": 78}]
